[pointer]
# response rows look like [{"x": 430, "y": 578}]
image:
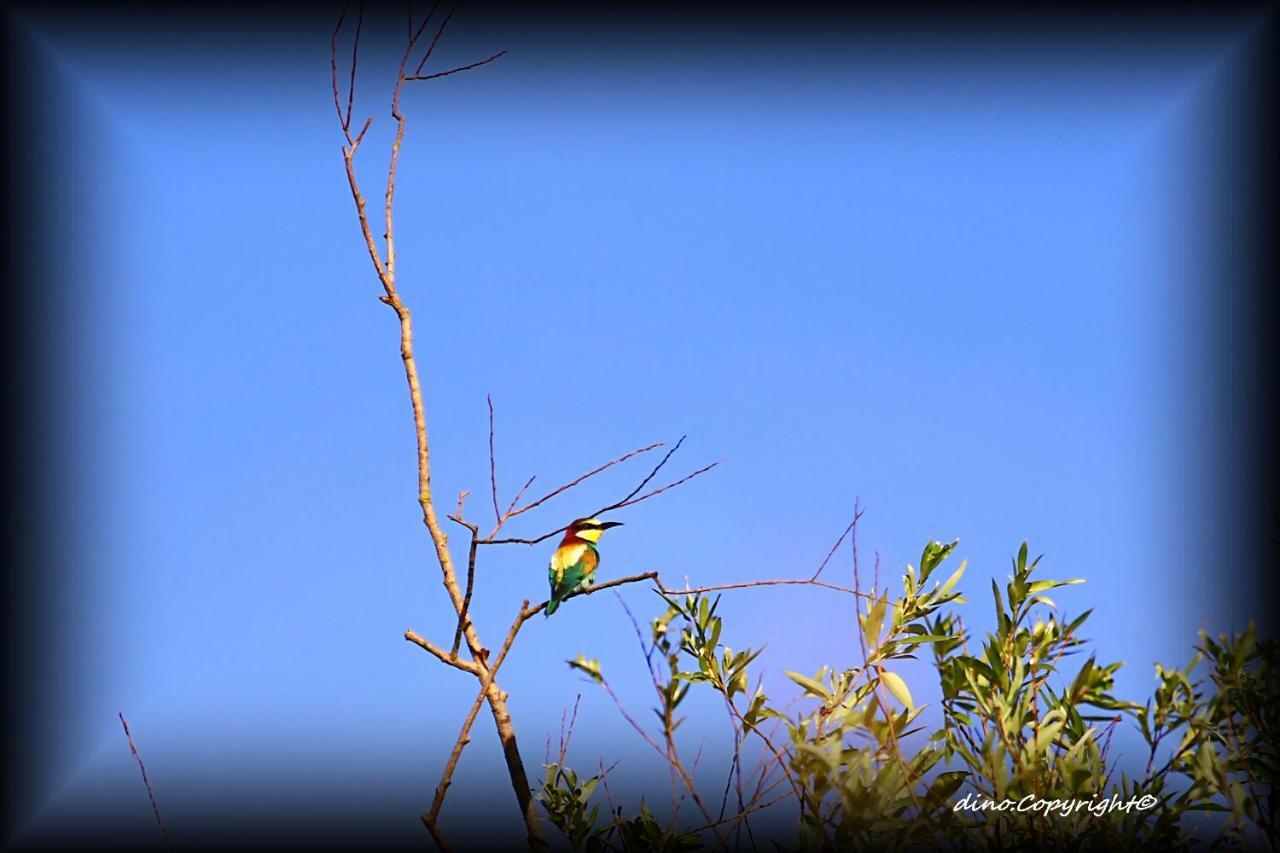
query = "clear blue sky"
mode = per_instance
[{"x": 974, "y": 284}]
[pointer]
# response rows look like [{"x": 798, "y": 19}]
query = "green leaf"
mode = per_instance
[
  {"x": 1078, "y": 777},
  {"x": 897, "y": 687},
  {"x": 691, "y": 676},
  {"x": 873, "y": 621},
  {"x": 1078, "y": 621},
  {"x": 946, "y": 784},
  {"x": 954, "y": 579},
  {"x": 923, "y": 638},
  {"x": 1040, "y": 586},
  {"x": 812, "y": 687},
  {"x": 1076, "y": 752},
  {"x": 1050, "y": 727},
  {"x": 591, "y": 667},
  {"x": 933, "y": 555}
]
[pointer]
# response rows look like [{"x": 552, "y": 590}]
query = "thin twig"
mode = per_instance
[
  {"x": 672, "y": 759},
  {"x": 566, "y": 733},
  {"x": 693, "y": 772},
  {"x": 414, "y": 38},
  {"x": 647, "y": 651},
  {"x": 743, "y": 814},
  {"x": 655, "y": 471},
  {"x": 464, "y": 615},
  {"x": 333, "y": 63},
  {"x": 779, "y": 582},
  {"x": 431, "y": 817},
  {"x": 431, "y": 48},
  {"x": 567, "y": 486},
  {"x": 151, "y": 794},
  {"x": 493, "y": 465},
  {"x": 441, "y": 655},
  {"x": 735, "y": 715},
  {"x": 629, "y": 500},
  {"x": 857, "y": 514},
  {"x": 386, "y": 271},
  {"x": 460, "y": 68},
  {"x": 656, "y": 492},
  {"x": 511, "y": 507},
  {"x": 530, "y": 612},
  {"x": 614, "y": 810},
  {"x": 869, "y": 665},
  {"x": 355, "y": 52}
]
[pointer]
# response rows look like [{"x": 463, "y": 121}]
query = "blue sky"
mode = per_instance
[{"x": 969, "y": 285}]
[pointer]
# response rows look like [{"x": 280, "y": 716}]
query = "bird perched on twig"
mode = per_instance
[{"x": 573, "y": 565}]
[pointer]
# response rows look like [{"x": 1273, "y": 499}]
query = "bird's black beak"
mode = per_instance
[{"x": 605, "y": 525}]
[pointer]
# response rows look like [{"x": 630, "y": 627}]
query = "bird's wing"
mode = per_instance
[
  {"x": 562, "y": 559},
  {"x": 570, "y": 566}
]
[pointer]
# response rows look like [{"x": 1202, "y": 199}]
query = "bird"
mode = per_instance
[{"x": 573, "y": 565}]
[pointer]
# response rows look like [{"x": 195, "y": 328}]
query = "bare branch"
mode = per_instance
[
  {"x": 741, "y": 816},
  {"x": 333, "y": 62},
  {"x": 614, "y": 810},
  {"x": 870, "y": 664},
  {"x": 852, "y": 528},
  {"x": 460, "y": 68},
  {"x": 151, "y": 794},
  {"x": 355, "y": 52},
  {"x": 809, "y": 581},
  {"x": 360, "y": 136},
  {"x": 464, "y": 614},
  {"x": 414, "y": 38},
  {"x": 348, "y": 155},
  {"x": 441, "y": 655},
  {"x": 511, "y": 507},
  {"x": 647, "y": 651},
  {"x": 655, "y": 492},
  {"x": 386, "y": 271},
  {"x": 432, "y": 47},
  {"x": 776, "y": 582},
  {"x": 431, "y": 817},
  {"x": 566, "y": 732},
  {"x": 629, "y": 500},
  {"x": 493, "y": 465},
  {"x": 670, "y": 756},
  {"x": 457, "y": 516},
  {"x": 774, "y": 751},
  {"x": 567, "y": 486},
  {"x": 656, "y": 469},
  {"x": 529, "y": 612}
]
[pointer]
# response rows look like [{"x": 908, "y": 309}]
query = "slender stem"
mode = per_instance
[
  {"x": 431, "y": 817},
  {"x": 386, "y": 271},
  {"x": 151, "y": 794},
  {"x": 493, "y": 465}
]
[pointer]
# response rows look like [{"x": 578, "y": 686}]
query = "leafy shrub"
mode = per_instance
[{"x": 1017, "y": 760}]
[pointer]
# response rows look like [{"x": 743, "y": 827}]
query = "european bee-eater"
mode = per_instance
[{"x": 573, "y": 565}]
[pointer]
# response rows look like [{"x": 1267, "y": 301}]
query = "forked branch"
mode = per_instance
[
  {"x": 630, "y": 500},
  {"x": 384, "y": 263},
  {"x": 151, "y": 794},
  {"x": 383, "y": 257}
]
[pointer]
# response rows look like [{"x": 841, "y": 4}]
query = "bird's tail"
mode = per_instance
[{"x": 551, "y": 607}]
